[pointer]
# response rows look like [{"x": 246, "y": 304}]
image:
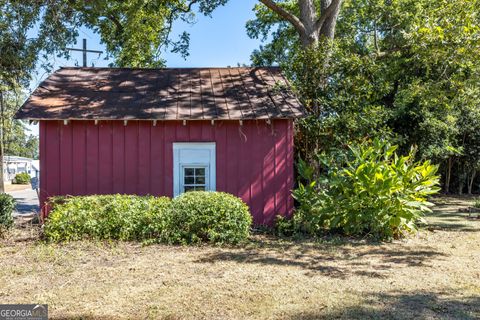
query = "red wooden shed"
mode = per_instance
[{"x": 167, "y": 131}]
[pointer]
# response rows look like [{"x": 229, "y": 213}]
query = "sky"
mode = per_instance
[{"x": 217, "y": 41}]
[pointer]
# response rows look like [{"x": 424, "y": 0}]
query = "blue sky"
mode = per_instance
[
  {"x": 220, "y": 40},
  {"x": 216, "y": 41}
]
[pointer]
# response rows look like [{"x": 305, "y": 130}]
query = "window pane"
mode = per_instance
[
  {"x": 189, "y": 180},
  {"x": 189, "y": 188},
  {"x": 200, "y": 180},
  {"x": 198, "y": 188},
  {"x": 189, "y": 171},
  {"x": 199, "y": 171}
]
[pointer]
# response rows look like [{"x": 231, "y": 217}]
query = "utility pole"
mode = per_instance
[{"x": 85, "y": 51}]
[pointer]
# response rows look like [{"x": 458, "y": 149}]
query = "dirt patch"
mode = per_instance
[
  {"x": 433, "y": 275},
  {"x": 16, "y": 187}
]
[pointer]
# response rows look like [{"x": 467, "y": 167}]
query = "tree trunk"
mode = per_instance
[
  {"x": 310, "y": 25},
  {"x": 308, "y": 16},
  {"x": 448, "y": 175},
  {"x": 2, "y": 183},
  {"x": 471, "y": 179},
  {"x": 328, "y": 28}
]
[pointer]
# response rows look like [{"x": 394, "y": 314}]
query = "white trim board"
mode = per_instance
[{"x": 193, "y": 154}]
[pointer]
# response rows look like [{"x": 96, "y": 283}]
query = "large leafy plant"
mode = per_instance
[{"x": 369, "y": 190}]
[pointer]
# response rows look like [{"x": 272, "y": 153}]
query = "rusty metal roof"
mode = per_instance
[{"x": 162, "y": 94}]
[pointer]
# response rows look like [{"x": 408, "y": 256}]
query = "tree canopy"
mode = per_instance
[{"x": 406, "y": 69}]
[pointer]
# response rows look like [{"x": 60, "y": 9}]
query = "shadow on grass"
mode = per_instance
[
  {"x": 452, "y": 221},
  {"x": 340, "y": 256},
  {"x": 421, "y": 305},
  {"x": 333, "y": 260},
  {"x": 402, "y": 306}
]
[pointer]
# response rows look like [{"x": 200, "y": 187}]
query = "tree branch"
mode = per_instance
[
  {"x": 326, "y": 14},
  {"x": 116, "y": 23},
  {"x": 285, "y": 14},
  {"x": 171, "y": 18},
  {"x": 188, "y": 9}
]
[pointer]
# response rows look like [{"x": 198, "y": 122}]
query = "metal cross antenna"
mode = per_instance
[{"x": 84, "y": 50}]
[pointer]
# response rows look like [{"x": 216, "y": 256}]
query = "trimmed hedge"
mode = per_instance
[
  {"x": 214, "y": 217},
  {"x": 7, "y": 205},
  {"x": 21, "y": 178},
  {"x": 119, "y": 217},
  {"x": 190, "y": 218}
]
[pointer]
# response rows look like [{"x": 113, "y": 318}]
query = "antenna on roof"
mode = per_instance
[{"x": 84, "y": 50}]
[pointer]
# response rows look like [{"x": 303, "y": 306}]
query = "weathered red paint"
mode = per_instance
[{"x": 254, "y": 161}]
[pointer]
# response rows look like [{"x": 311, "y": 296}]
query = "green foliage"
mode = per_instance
[
  {"x": 369, "y": 190},
  {"x": 476, "y": 204},
  {"x": 55, "y": 26},
  {"x": 214, "y": 217},
  {"x": 135, "y": 32},
  {"x": 22, "y": 178},
  {"x": 17, "y": 141},
  {"x": 191, "y": 218},
  {"x": 7, "y": 205},
  {"x": 408, "y": 68},
  {"x": 121, "y": 217}
]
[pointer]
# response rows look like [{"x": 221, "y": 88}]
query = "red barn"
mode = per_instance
[{"x": 167, "y": 131}]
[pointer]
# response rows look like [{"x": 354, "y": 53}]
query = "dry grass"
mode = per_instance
[
  {"x": 16, "y": 187},
  {"x": 434, "y": 275}
]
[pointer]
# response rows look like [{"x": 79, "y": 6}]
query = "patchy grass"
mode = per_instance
[{"x": 434, "y": 275}]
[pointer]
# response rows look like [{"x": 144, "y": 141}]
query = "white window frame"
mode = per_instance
[
  {"x": 179, "y": 163},
  {"x": 194, "y": 166}
]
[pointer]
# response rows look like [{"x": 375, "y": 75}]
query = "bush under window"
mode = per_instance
[
  {"x": 203, "y": 216},
  {"x": 190, "y": 218}
]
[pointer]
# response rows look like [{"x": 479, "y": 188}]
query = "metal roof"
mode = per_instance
[{"x": 162, "y": 94}]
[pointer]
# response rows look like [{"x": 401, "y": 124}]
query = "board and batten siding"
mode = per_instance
[{"x": 253, "y": 161}]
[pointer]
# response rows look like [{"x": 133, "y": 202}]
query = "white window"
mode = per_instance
[
  {"x": 194, "y": 178},
  {"x": 193, "y": 167}
]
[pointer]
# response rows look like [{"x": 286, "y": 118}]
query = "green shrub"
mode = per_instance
[
  {"x": 21, "y": 178},
  {"x": 190, "y": 218},
  {"x": 372, "y": 191},
  {"x": 476, "y": 204},
  {"x": 201, "y": 216},
  {"x": 122, "y": 217},
  {"x": 7, "y": 205}
]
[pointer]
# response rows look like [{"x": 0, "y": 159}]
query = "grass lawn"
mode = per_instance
[{"x": 433, "y": 275}]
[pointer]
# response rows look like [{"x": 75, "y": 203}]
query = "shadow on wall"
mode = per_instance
[{"x": 421, "y": 305}]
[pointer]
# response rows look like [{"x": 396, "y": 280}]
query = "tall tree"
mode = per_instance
[
  {"x": 404, "y": 68},
  {"x": 314, "y": 20},
  {"x": 55, "y": 25}
]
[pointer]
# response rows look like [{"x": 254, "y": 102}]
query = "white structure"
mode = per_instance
[
  {"x": 193, "y": 167},
  {"x": 13, "y": 165}
]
